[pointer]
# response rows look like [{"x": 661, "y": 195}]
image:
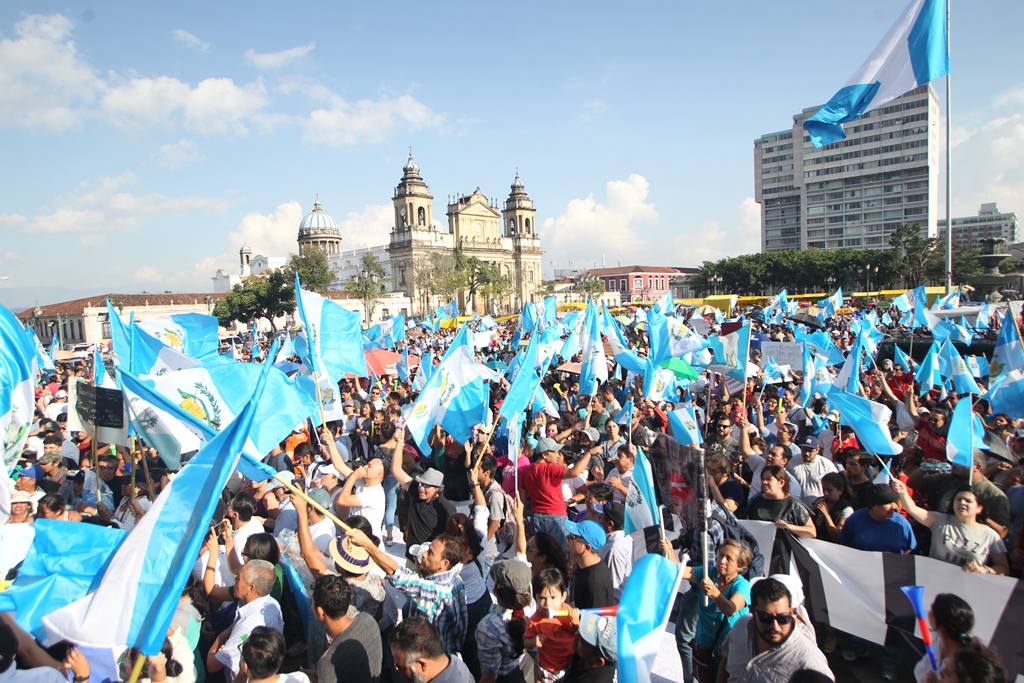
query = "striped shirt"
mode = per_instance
[{"x": 441, "y": 598}]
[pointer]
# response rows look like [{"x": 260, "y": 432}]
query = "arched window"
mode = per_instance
[
  {"x": 638, "y": 283},
  {"x": 421, "y": 216},
  {"x": 511, "y": 226},
  {"x": 527, "y": 226}
]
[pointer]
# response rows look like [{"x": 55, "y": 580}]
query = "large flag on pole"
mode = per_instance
[
  {"x": 684, "y": 425},
  {"x": 141, "y": 588},
  {"x": 17, "y": 391},
  {"x": 913, "y": 52},
  {"x": 193, "y": 334},
  {"x": 593, "y": 366},
  {"x": 731, "y": 352},
  {"x": 869, "y": 421},
  {"x": 1009, "y": 353},
  {"x": 333, "y": 336},
  {"x": 641, "y": 503},
  {"x": 643, "y": 613}
]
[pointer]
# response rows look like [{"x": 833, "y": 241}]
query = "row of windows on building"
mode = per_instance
[{"x": 612, "y": 284}]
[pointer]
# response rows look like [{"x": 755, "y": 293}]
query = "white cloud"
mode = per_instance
[
  {"x": 588, "y": 230},
  {"x": 272, "y": 234},
  {"x": 43, "y": 78},
  {"x": 592, "y": 108},
  {"x": 277, "y": 60},
  {"x": 109, "y": 207},
  {"x": 367, "y": 228},
  {"x": 147, "y": 274},
  {"x": 711, "y": 241},
  {"x": 176, "y": 154},
  {"x": 347, "y": 124},
  {"x": 215, "y": 105},
  {"x": 190, "y": 41}
]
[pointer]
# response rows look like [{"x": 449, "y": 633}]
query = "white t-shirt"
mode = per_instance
[
  {"x": 809, "y": 475},
  {"x": 570, "y": 486},
  {"x": 371, "y": 505},
  {"x": 287, "y": 518},
  {"x": 757, "y": 464},
  {"x": 54, "y": 409},
  {"x": 250, "y": 528},
  {"x": 323, "y": 533}
]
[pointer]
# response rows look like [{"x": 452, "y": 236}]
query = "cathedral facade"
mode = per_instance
[{"x": 501, "y": 235}]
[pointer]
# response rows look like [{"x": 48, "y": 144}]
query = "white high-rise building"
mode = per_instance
[{"x": 855, "y": 192}]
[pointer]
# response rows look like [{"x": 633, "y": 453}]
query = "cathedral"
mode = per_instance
[{"x": 479, "y": 226}]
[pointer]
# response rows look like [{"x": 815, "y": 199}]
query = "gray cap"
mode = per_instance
[
  {"x": 431, "y": 477},
  {"x": 513, "y": 573},
  {"x": 601, "y": 632},
  {"x": 592, "y": 434},
  {"x": 322, "y": 498},
  {"x": 547, "y": 444}
]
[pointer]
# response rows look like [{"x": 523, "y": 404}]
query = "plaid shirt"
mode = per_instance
[
  {"x": 494, "y": 647},
  {"x": 441, "y": 599}
]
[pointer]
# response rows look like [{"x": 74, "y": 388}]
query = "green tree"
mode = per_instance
[
  {"x": 916, "y": 254},
  {"x": 369, "y": 286},
  {"x": 436, "y": 276},
  {"x": 589, "y": 285},
  {"x": 311, "y": 265},
  {"x": 475, "y": 275},
  {"x": 266, "y": 296}
]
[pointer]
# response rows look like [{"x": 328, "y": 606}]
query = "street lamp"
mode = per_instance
[
  {"x": 209, "y": 303},
  {"x": 716, "y": 281},
  {"x": 37, "y": 314},
  {"x": 868, "y": 271}
]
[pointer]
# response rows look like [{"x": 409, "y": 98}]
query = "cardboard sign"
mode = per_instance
[
  {"x": 92, "y": 408},
  {"x": 784, "y": 353}
]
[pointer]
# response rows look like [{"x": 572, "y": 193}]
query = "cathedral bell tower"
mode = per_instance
[
  {"x": 412, "y": 200},
  {"x": 519, "y": 214}
]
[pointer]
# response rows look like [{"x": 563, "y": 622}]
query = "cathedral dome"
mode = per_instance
[
  {"x": 410, "y": 166},
  {"x": 317, "y": 219}
]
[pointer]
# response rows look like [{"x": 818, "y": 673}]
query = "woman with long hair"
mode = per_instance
[
  {"x": 385, "y": 451},
  {"x": 959, "y": 538},
  {"x": 831, "y": 511},
  {"x": 951, "y": 619}
]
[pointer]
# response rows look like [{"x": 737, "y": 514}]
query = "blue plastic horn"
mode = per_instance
[{"x": 916, "y": 596}]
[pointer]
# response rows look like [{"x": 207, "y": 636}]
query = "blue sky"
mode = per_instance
[{"x": 142, "y": 144}]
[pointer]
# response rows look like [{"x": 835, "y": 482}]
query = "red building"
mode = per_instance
[{"x": 636, "y": 283}]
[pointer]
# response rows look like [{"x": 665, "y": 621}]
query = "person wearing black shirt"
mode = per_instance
[
  {"x": 591, "y": 584},
  {"x": 429, "y": 510}
]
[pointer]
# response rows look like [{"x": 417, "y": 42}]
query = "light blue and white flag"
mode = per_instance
[
  {"x": 929, "y": 373},
  {"x": 593, "y": 366},
  {"x": 670, "y": 338},
  {"x": 962, "y": 439},
  {"x": 957, "y": 371},
  {"x": 141, "y": 588},
  {"x": 666, "y": 305},
  {"x": 54, "y": 347},
  {"x": 659, "y": 383},
  {"x": 487, "y": 323},
  {"x": 807, "y": 385},
  {"x": 848, "y": 379},
  {"x": 772, "y": 371},
  {"x": 193, "y": 334},
  {"x": 685, "y": 429},
  {"x": 66, "y": 561},
  {"x": 624, "y": 355},
  {"x": 100, "y": 376},
  {"x": 455, "y": 396},
  {"x": 625, "y": 416},
  {"x": 402, "y": 366},
  {"x": 525, "y": 384},
  {"x": 869, "y": 421},
  {"x": 908, "y": 300},
  {"x": 947, "y": 329},
  {"x": 515, "y": 437},
  {"x": 832, "y": 304},
  {"x": 901, "y": 358},
  {"x": 911, "y": 54},
  {"x": 43, "y": 360},
  {"x": 978, "y": 365},
  {"x": 951, "y": 300},
  {"x": 550, "y": 310},
  {"x": 641, "y": 502},
  {"x": 333, "y": 336},
  {"x": 1008, "y": 354},
  {"x": 17, "y": 388},
  {"x": 1006, "y": 393},
  {"x": 644, "y": 610},
  {"x": 730, "y": 353},
  {"x": 287, "y": 350}
]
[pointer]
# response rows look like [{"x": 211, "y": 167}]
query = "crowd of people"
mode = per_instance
[{"x": 471, "y": 563}]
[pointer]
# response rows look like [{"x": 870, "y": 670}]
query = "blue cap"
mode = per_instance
[
  {"x": 589, "y": 531},
  {"x": 36, "y": 472}
]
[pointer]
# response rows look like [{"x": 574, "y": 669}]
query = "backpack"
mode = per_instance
[{"x": 733, "y": 529}]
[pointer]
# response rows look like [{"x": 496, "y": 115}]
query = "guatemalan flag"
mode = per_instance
[
  {"x": 335, "y": 342},
  {"x": 17, "y": 391},
  {"x": 913, "y": 52},
  {"x": 193, "y": 334},
  {"x": 140, "y": 590},
  {"x": 644, "y": 609}
]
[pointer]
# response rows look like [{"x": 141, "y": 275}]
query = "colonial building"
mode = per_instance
[
  {"x": 636, "y": 283},
  {"x": 478, "y": 226}
]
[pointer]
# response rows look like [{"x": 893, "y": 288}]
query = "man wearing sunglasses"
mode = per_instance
[{"x": 761, "y": 647}]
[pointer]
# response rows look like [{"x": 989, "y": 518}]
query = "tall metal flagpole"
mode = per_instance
[{"x": 949, "y": 154}]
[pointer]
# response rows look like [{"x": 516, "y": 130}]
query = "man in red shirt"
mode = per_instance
[
  {"x": 541, "y": 482},
  {"x": 932, "y": 428}
]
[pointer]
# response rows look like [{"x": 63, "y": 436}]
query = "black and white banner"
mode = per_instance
[{"x": 859, "y": 592}]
